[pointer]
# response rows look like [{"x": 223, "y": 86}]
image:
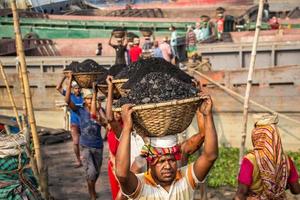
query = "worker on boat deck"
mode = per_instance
[
  {"x": 76, "y": 98},
  {"x": 99, "y": 49},
  {"x": 266, "y": 172},
  {"x": 166, "y": 49},
  {"x": 191, "y": 42},
  {"x": 120, "y": 49},
  {"x": 173, "y": 43},
  {"x": 147, "y": 47},
  {"x": 157, "y": 52},
  {"x": 164, "y": 180},
  {"x": 220, "y": 25},
  {"x": 135, "y": 52},
  {"x": 91, "y": 143}
]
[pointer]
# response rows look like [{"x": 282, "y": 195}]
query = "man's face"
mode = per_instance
[
  {"x": 76, "y": 90},
  {"x": 117, "y": 116},
  {"x": 88, "y": 101},
  {"x": 165, "y": 169}
]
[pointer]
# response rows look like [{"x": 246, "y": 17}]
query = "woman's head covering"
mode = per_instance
[{"x": 270, "y": 158}]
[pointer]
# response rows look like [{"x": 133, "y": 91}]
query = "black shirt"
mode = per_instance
[{"x": 120, "y": 54}]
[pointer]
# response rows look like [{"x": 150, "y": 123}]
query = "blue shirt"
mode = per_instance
[
  {"x": 90, "y": 130},
  {"x": 157, "y": 53},
  {"x": 78, "y": 101}
]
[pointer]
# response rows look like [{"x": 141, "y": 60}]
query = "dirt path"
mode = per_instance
[{"x": 68, "y": 183}]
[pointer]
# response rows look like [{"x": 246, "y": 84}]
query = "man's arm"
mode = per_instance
[
  {"x": 94, "y": 101},
  {"x": 59, "y": 85},
  {"x": 210, "y": 152},
  {"x": 125, "y": 40},
  {"x": 68, "y": 93},
  {"x": 115, "y": 126},
  {"x": 109, "y": 101},
  {"x": 127, "y": 179},
  {"x": 242, "y": 192},
  {"x": 192, "y": 144}
]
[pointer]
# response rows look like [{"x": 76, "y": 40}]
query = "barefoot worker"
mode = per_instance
[
  {"x": 76, "y": 98},
  {"x": 91, "y": 143},
  {"x": 164, "y": 180}
]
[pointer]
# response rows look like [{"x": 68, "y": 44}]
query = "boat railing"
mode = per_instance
[{"x": 44, "y": 64}]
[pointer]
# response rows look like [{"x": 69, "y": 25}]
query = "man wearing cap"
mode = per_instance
[
  {"x": 120, "y": 49},
  {"x": 91, "y": 143},
  {"x": 136, "y": 51},
  {"x": 164, "y": 180},
  {"x": 77, "y": 99}
]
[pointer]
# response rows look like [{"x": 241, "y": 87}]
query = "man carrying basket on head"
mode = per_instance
[
  {"x": 120, "y": 48},
  {"x": 164, "y": 180}
]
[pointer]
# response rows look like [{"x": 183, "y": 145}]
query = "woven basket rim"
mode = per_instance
[
  {"x": 162, "y": 104},
  {"x": 87, "y": 73},
  {"x": 102, "y": 85},
  {"x": 124, "y": 80}
]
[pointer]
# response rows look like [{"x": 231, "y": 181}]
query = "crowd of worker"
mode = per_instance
[
  {"x": 139, "y": 169},
  {"x": 177, "y": 47}
]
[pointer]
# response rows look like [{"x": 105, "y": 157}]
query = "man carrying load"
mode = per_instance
[
  {"x": 164, "y": 180},
  {"x": 91, "y": 142}
]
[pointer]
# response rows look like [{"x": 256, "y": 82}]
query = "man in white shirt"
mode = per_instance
[{"x": 164, "y": 180}]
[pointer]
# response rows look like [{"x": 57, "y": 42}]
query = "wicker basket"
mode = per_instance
[
  {"x": 118, "y": 84},
  {"x": 146, "y": 33},
  {"x": 168, "y": 118},
  {"x": 86, "y": 79},
  {"x": 119, "y": 34},
  {"x": 104, "y": 90}
]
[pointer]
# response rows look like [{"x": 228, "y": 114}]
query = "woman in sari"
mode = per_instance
[{"x": 266, "y": 172}]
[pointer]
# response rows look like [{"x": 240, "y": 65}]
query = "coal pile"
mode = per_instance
[
  {"x": 72, "y": 66},
  {"x": 137, "y": 70},
  {"x": 156, "y": 87},
  {"x": 123, "y": 74},
  {"x": 113, "y": 71},
  {"x": 116, "y": 69},
  {"x": 88, "y": 65}
]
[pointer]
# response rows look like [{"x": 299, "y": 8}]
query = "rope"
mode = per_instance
[
  {"x": 241, "y": 97},
  {"x": 20, "y": 171}
]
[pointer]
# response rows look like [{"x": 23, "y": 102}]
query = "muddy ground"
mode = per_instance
[{"x": 68, "y": 183}]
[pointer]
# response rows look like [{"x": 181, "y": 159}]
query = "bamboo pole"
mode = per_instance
[
  {"x": 31, "y": 117},
  {"x": 233, "y": 93},
  {"x": 249, "y": 81},
  {"x": 22, "y": 90},
  {"x": 11, "y": 98}
]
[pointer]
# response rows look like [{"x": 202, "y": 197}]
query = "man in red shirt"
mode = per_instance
[
  {"x": 220, "y": 25},
  {"x": 136, "y": 51}
]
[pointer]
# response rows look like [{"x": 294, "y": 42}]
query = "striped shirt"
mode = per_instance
[{"x": 182, "y": 187}]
